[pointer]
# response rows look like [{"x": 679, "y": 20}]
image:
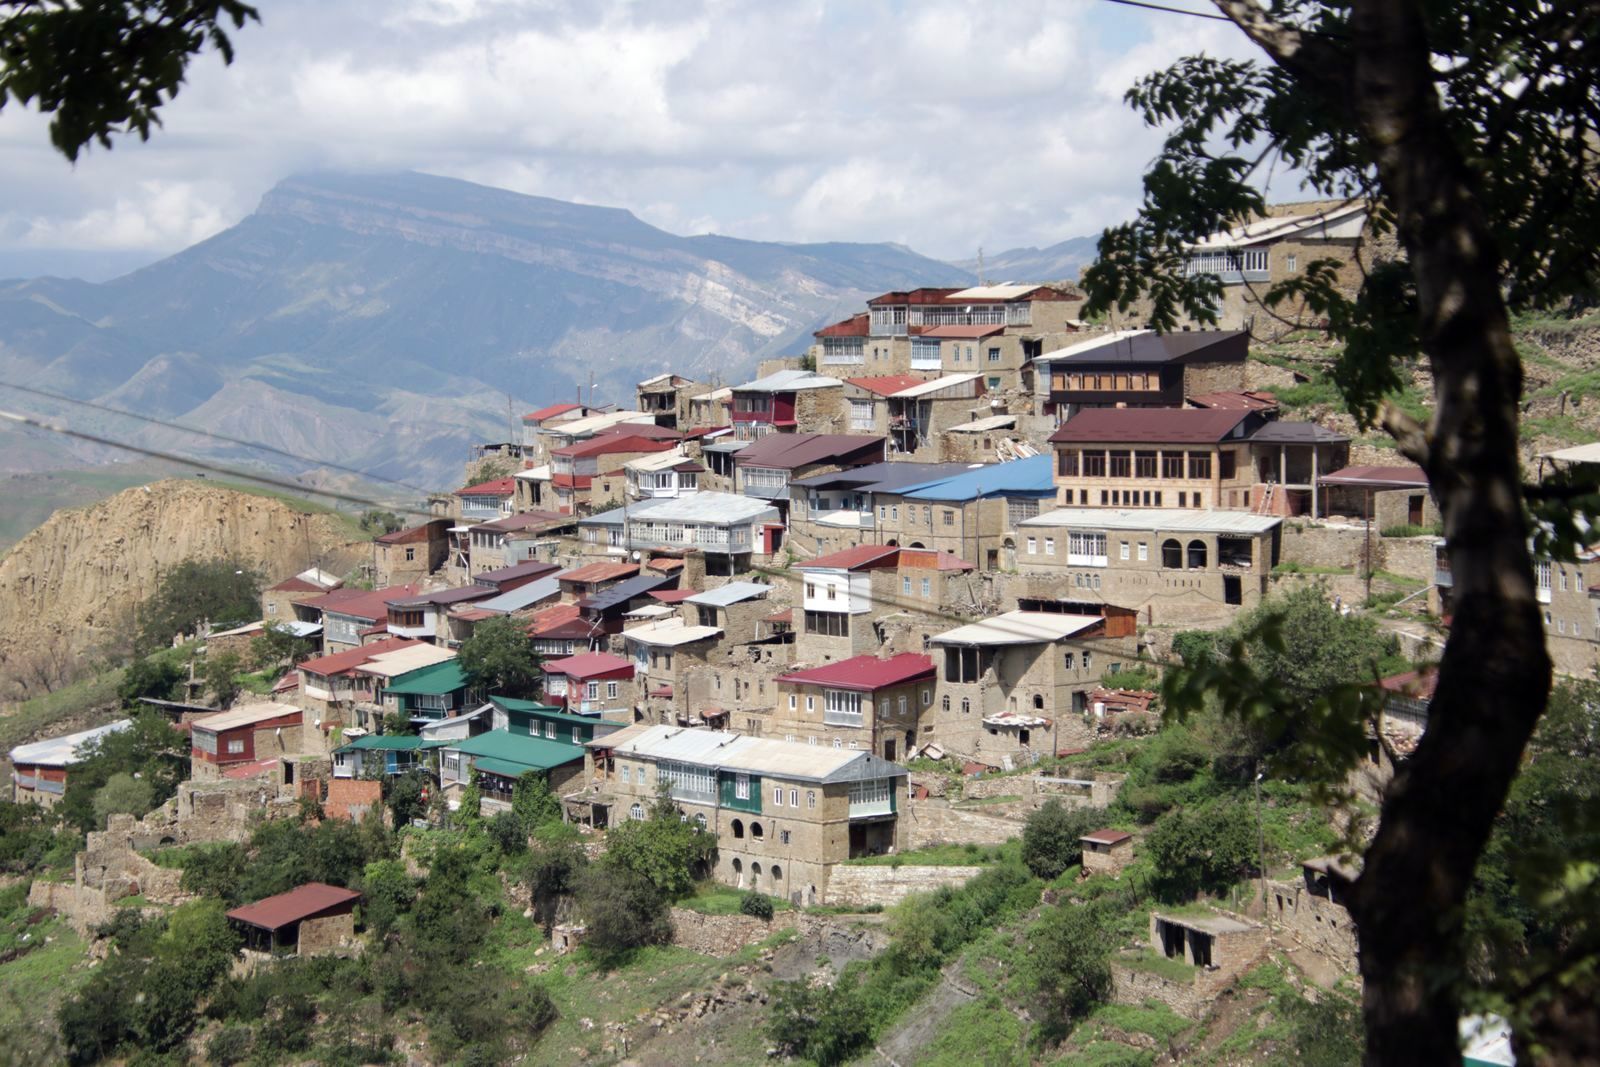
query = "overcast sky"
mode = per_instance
[{"x": 941, "y": 124}]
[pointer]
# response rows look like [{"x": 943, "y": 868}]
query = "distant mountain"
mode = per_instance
[
  {"x": 381, "y": 321},
  {"x": 1058, "y": 263}
]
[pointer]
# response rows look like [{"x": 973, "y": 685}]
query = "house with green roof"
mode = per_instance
[
  {"x": 394, "y": 753},
  {"x": 495, "y": 760},
  {"x": 529, "y": 718},
  {"x": 437, "y": 691}
]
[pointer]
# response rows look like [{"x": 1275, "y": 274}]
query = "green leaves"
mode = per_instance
[{"x": 499, "y": 659}]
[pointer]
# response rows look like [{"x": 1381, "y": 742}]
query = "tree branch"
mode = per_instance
[
  {"x": 1310, "y": 59},
  {"x": 1409, "y": 435}
]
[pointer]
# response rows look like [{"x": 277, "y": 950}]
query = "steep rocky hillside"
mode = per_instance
[{"x": 65, "y": 586}]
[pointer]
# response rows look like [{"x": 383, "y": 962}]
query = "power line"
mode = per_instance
[
  {"x": 153, "y": 453},
  {"x": 214, "y": 436},
  {"x": 1170, "y": 10}
]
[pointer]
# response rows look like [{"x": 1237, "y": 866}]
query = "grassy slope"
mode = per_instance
[
  {"x": 93, "y": 698},
  {"x": 32, "y": 498},
  {"x": 30, "y": 989}
]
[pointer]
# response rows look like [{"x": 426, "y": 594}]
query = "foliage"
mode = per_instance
[
  {"x": 533, "y": 803},
  {"x": 404, "y": 793},
  {"x": 388, "y": 892},
  {"x": 469, "y": 809},
  {"x": 288, "y": 854},
  {"x": 1205, "y": 849},
  {"x": 220, "y": 591},
  {"x": 1050, "y": 837},
  {"x": 149, "y": 751},
  {"x": 122, "y": 794},
  {"x": 398, "y": 724},
  {"x": 33, "y": 839},
  {"x": 221, "y": 674},
  {"x": 824, "y": 1024},
  {"x": 378, "y": 523},
  {"x": 505, "y": 830},
  {"x": 106, "y": 67},
  {"x": 499, "y": 658},
  {"x": 1068, "y": 953},
  {"x": 215, "y": 871},
  {"x": 664, "y": 849},
  {"x": 552, "y": 868},
  {"x": 758, "y": 905},
  {"x": 159, "y": 676},
  {"x": 623, "y": 909},
  {"x": 278, "y": 646}
]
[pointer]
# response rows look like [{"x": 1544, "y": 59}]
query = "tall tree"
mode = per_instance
[
  {"x": 107, "y": 66},
  {"x": 219, "y": 591},
  {"x": 499, "y": 659},
  {"x": 1469, "y": 130}
]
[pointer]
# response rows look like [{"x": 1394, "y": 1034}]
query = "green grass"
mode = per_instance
[
  {"x": 1107, "y": 1054},
  {"x": 1147, "y": 961},
  {"x": 1554, "y": 322},
  {"x": 1408, "y": 530},
  {"x": 33, "y": 985},
  {"x": 96, "y": 693},
  {"x": 983, "y": 1032},
  {"x": 943, "y": 856},
  {"x": 1154, "y": 1019},
  {"x": 1564, "y": 428},
  {"x": 980, "y": 802},
  {"x": 1308, "y": 568},
  {"x": 714, "y": 898}
]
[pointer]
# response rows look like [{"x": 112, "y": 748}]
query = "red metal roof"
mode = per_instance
[
  {"x": 351, "y": 658},
  {"x": 550, "y": 412},
  {"x": 663, "y": 692},
  {"x": 368, "y": 604},
  {"x": 1235, "y": 401},
  {"x": 928, "y": 559},
  {"x": 865, "y": 673},
  {"x": 886, "y": 384},
  {"x": 599, "y": 572},
  {"x": 672, "y": 596},
  {"x": 572, "y": 481},
  {"x": 1416, "y": 684},
  {"x": 604, "y": 444},
  {"x": 962, "y": 333},
  {"x": 861, "y": 557},
  {"x": 407, "y": 536},
  {"x": 786, "y": 615},
  {"x": 494, "y": 487},
  {"x": 665, "y": 565},
  {"x": 311, "y": 899},
  {"x": 1107, "y": 837},
  {"x": 1148, "y": 426},
  {"x": 295, "y": 585},
  {"x": 588, "y": 665},
  {"x": 912, "y": 296},
  {"x": 854, "y": 326},
  {"x": 473, "y": 614},
  {"x": 1401, "y": 477},
  {"x": 640, "y": 429},
  {"x": 701, "y": 431},
  {"x": 788, "y": 451},
  {"x": 250, "y": 770}
]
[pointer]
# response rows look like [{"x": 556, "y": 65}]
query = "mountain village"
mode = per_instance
[{"x": 878, "y": 602}]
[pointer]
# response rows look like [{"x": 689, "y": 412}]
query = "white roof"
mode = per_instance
[
  {"x": 1176, "y": 520},
  {"x": 756, "y": 755},
  {"x": 320, "y": 577},
  {"x": 1003, "y": 291},
  {"x": 659, "y": 461},
  {"x": 732, "y": 593},
  {"x": 719, "y": 509},
  {"x": 405, "y": 660},
  {"x": 534, "y": 474},
  {"x": 1017, "y": 628},
  {"x": 948, "y": 381},
  {"x": 670, "y": 633},
  {"x": 993, "y": 422},
  {"x": 664, "y": 376},
  {"x": 63, "y": 751},
  {"x": 784, "y": 380},
  {"x": 243, "y": 716},
  {"x": 249, "y": 627},
  {"x": 649, "y": 611},
  {"x": 1345, "y": 221},
  {"x": 294, "y": 626},
  {"x": 1098, "y": 341},
  {"x": 1589, "y": 453},
  {"x": 595, "y": 423},
  {"x": 716, "y": 394}
]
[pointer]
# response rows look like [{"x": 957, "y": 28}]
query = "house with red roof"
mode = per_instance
[
  {"x": 535, "y": 421},
  {"x": 352, "y": 617},
  {"x": 765, "y": 468},
  {"x": 278, "y": 601},
  {"x": 311, "y": 920},
  {"x": 485, "y": 501},
  {"x": 867, "y": 703},
  {"x": 591, "y": 471},
  {"x": 410, "y": 555},
  {"x": 591, "y": 683},
  {"x": 562, "y": 631},
  {"x": 839, "y": 598}
]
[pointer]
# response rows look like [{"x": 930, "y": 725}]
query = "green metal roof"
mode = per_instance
[
  {"x": 530, "y": 753},
  {"x": 384, "y": 743},
  {"x": 545, "y": 711},
  {"x": 501, "y": 767},
  {"x": 436, "y": 679}
]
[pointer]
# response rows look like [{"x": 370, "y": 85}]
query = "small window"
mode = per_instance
[
  {"x": 777, "y": 796},
  {"x": 756, "y": 831},
  {"x": 625, "y": 773},
  {"x": 783, "y": 837},
  {"x": 791, "y": 701},
  {"x": 944, "y": 702},
  {"x": 1124, "y": 549},
  {"x": 235, "y": 747},
  {"x": 811, "y": 798},
  {"x": 1144, "y": 551},
  {"x": 611, "y": 690},
  {"x": 905, "y": 585},
  {"x": 737, "y": 827},
  {"x": 794, "y": 802},
  {"x": 927, "y": 697},
  {"x": 636, "y": 813},
  {"x": 838, "y": 742},
  {"x": 1049, "y": 546},
  {"x": 811, "y": 704},
  {"x": 966, "y": 706},
  {"x": 700, "y": 820},
  {"x": 927, "y": 588}
]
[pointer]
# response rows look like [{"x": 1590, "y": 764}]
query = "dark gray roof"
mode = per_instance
[
  {"x": 444, "y": 596},
  {"x": 625, "y": 591},
  {"x": 881, "y": 477},
  {"x": 1296, "y": 433}
]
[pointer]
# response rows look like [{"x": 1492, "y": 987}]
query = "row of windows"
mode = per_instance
[
  {"x": 827, "y": 623},
  {"x": 1107, "y": 382},
  {"x": 845, "y": 701},
  {"x": 1228, "y": 261},
  {"x": 1125, "y": 463},
  {"x": 1133, "y": 498}
]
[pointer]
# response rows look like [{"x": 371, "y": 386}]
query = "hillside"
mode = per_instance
[
  {"x": 392, "y": 317},
  {"x": 1058, "y": 262},
  {"x": 74, "y": 581}
]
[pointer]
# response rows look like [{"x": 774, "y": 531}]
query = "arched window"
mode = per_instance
[
  {"x": 966, "y": 706},
  {"x": 755, "y": 873},
  {"x": 756, "y": 831},
  {"x": 738, "y": 828},
  {"x": 700, "y": 820},
  {"x": 1197, "y": 555},
  {"x": 777, "y": 872},
  {"x": 1038, "y": 702},
  {"x": 1172, "y": 554},
  {"x": 944, "y": 702},
  {"x": 636, "y": 813}
]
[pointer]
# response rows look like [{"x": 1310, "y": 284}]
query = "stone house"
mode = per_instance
[
  {"x": 409, "y": 555},
  {"x": 866, "y": 400},
  {"x": 1140, "y": 369},
  {"x": 496, "y": 758},
  {"x": 520, "y": 538},
  {"x": 663, "y": 475},
  {"x": 250, "y": 733},
  {"x": 1169, "y": 564},
  {"x": 972, "y": 515},
  {"x": 730, "y": 532},
  {"x": 1312, "y": 911},
  {"x": 311, "y": 920},
  {"x": 584, "y": 475},
  {"x": 839, "y": 603},
  {"x": 485, "y": 501},
  {"x": 667, "y": 396},
  {"x": 586, "y": 581},
  {"x": 39, "y": 770},
  {"x": 709, "y": 411},
  {"x": 1386, "y": 496},
  {"x": 663, "y": 652},
  {"x": 787, "y": 401},
  {"x": 867, "y": 703},
  {"x": 1106, "y": 851},
  {"x": 764, "y": 468},
  {"x": 277, "y": 601},
  {"x": 591, "y": 683},
  {"x": 833, "y": 512},
  {"x": 1017, "y": 685},
  {"x": 1212, "y": 942},
  {"x": 737, "y": 609},
  {"x": 351, "y": 617},
  {"x": 784, "y": 814},
  {"x": 535, "y": 421},
  {"x": 915, "y": 414},
  {"x": 426, "y": 616}
]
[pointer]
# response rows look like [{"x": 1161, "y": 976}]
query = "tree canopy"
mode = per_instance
[
  {"x": 499, "y": 658},
  {"x": 1468, "y": 130},
  {"x": 219, "y": 591}
]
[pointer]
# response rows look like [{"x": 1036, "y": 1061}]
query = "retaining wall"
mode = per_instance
[{"x": 862, "y": 885}]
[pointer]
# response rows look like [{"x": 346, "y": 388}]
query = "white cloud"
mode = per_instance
[{"x": 943, "y": 125}]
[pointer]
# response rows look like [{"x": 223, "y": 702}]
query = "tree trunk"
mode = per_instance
[{"x": 1494, "y": 680}]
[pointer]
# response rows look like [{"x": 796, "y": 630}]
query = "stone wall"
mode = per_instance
[
  {"x": 930, "y": 823},
  {"x": 1135, "y": 987},
  {"x": 1036, "y": 789},
  {"x": 863, "y": 885},
  {"x": 1314, "y": 545},
  {"x": 1313, "y": 922},
  {"x": 327, "y": 934},
  {"x": 724, "y": 935}
]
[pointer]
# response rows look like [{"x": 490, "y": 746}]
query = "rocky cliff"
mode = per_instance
[{"x": 67, "y": 586}]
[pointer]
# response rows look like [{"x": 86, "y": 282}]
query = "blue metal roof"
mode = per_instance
[{"x": 1020, "y": 477}]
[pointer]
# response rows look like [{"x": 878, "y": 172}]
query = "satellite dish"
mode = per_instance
[{"x": 637, "y": 556}]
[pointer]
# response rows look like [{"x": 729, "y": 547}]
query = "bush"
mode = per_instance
[
  {"x": 1068, "y": 952},
  {"x": 668, "y": 851},
  {"x": 214, "y": 871},
  {"x": 1050, "y": 837},
  {"x": 758, "y": 905},
  {"x": 507, "y": 833},
  {"x": 1205, "y": 850},
  {"x": 219, "y": 591},
  {"x": 824, "y": 1024},
  {"x": 552, "y": 868},
  {"x": 230, "y": 1045},
  {"x": 624, "y": 911}
]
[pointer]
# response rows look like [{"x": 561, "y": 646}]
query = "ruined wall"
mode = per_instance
[
  {"x": 860, "y": 885},
  {"x": 930, "y": 823},
  {"x": 327, "y": 934},
  {"x": 1135, "y": 987},
  {"x": 1313, "y": 922}
]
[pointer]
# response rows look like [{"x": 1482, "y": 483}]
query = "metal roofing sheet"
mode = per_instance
[
  {"x": 293, "y": 906},
  {"x": 532, "y": 753},
  {"x": 1589, "y": 453},
  {"x": 405, "y": 660},
  {"x": 62, "y": 751},
  {"x": 435, "y": 680},
  {"x": 720, "y": 509},
  {"x": 865, "y": 673},
  {"x": 1401, "y": 477},
  {"x": 752, "y": 755},
  {"x": 993, "y": 422},
  {"x": 732, "y": 593},
  {"x": 849, "y": 559},
  {"x": 524, "y": 596},
  {"x": 956, "y": 331},
  {"x": 625, "y": 590},
  {"x": 670, "y": 634},
  {"x": 1174, "y": 520},
  {"x": 786, "y": 451},
  {"x": 250, "y": 713},
  {"x": 1018, "y": 628},
  {"x": 1144, "y": 347},
  {"x": 947, "y": 382},
  {"x": 1296, "y": 433},
  {"x": 1033, "y": 475},
  {"x": 587, "y": 665},
  {"x": 1151, "y": 425},
  {"x": 785, "y": 381}
]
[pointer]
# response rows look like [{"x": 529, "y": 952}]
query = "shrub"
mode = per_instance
[
  {"x": 825, "y": 1024},
  {"x": 1204, "y": 850},
  {"x": 1068, "y": 952},
  {"x": 758, "y": 905},
  {"x": 668, "y": 851},
  {"x": 230, "y": 1045},
  {"x": 624, "y": 911},
  {"x": 507, "y": 833},
  {"x": 1050, "y": 837}
]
